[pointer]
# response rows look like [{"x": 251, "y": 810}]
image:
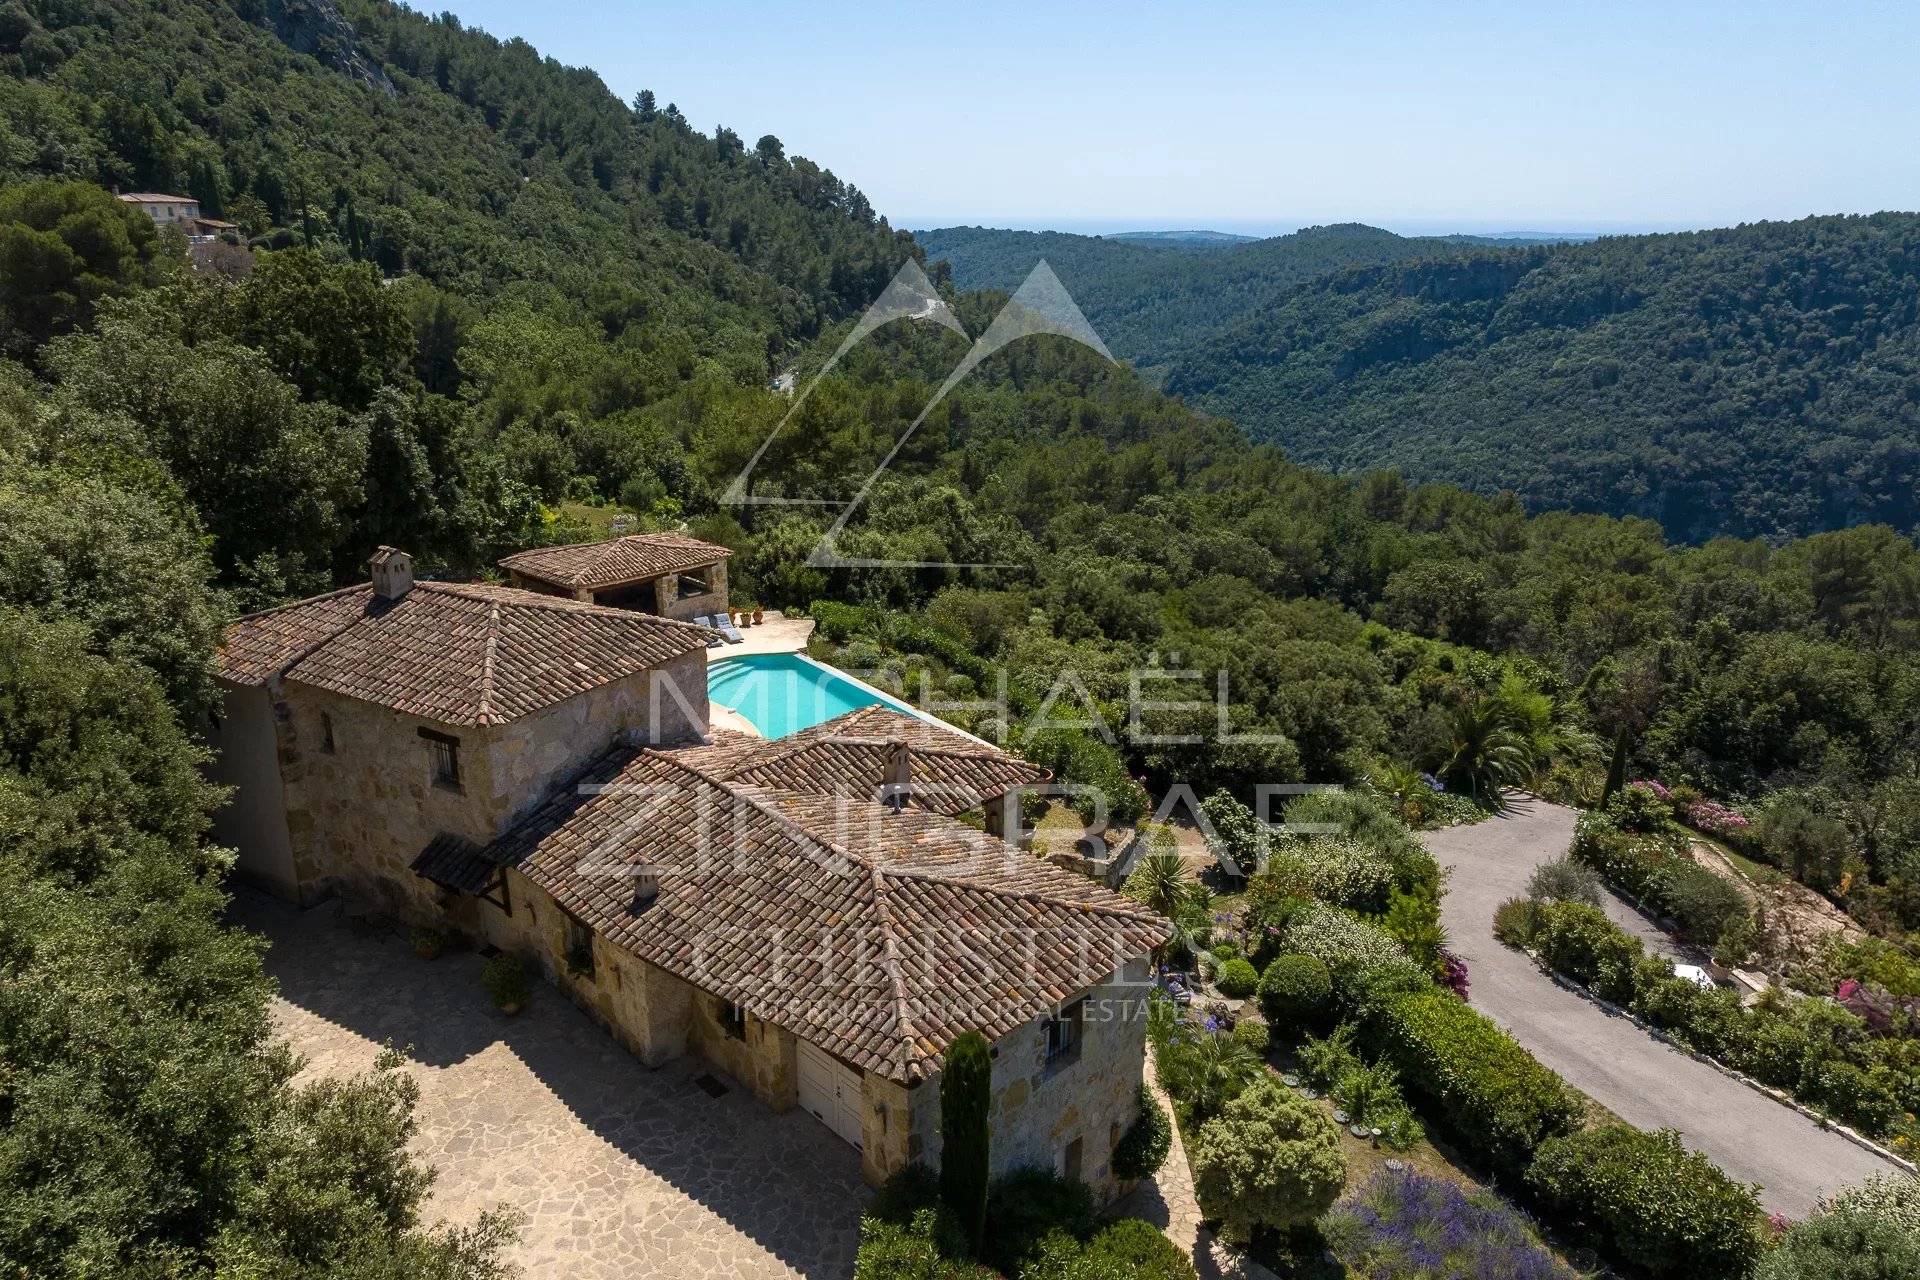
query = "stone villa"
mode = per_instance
[{"x": 817, "y": 916}]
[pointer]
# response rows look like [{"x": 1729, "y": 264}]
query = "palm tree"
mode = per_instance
[
  {"x": 1482, "y": 752},
  {"x": 1160, "y": 881},
  {"x": 1206, "y": 1069}
]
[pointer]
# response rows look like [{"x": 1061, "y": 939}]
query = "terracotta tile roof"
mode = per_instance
[
  {"x": 456, "y": 862},
  {"x": 452, "y": 653},
  {"x": 618, "y": 561},
  {"x": 949, "y": 771},
  {"x": 878, "y": 935}
]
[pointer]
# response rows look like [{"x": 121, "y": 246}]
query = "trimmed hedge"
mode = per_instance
[
  {"x": 1649, "y": 1201},
  {"x": 1579, "y": 941},
  {"x": 1820, "y": 1052},
  {"x": 1490, "y": 1095}
]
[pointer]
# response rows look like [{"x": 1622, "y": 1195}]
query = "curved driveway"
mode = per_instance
[{"x": 1639, "y": 1079}]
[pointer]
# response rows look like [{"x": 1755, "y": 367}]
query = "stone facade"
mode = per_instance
[
  {"x": 1039, "y": 1109},
  {"x": 357, "y": 780}
]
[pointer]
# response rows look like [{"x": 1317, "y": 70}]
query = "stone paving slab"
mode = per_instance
[{"x": 622, "y": 1171}]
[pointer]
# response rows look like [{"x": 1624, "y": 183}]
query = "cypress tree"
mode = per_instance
[
  {"x": 966, "y": 1096},
  {"x": 1617, "y": 769}
]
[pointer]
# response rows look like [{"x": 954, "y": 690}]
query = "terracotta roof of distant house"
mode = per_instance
[
  {"x": 950, "y": 772},
  {"x": 156, "y": 197},
  {"x": 456, "y": 654},
  {"x": 616, "y": 562},
  {"x": 877, "y": 934}
]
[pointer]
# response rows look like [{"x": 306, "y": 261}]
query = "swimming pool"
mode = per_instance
[{"x": 783, "y": 693}]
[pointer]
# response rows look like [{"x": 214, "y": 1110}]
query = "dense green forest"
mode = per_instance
[
  {"x": 1762, "y": 381},
  {"x": 1151, "y": 300},
  {"x": 481, "y": 296}
]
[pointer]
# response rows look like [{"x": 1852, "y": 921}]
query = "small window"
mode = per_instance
[
  {"x": 579, "y": 949},
  {"x": 733, "y": 1020},
  {"x": 1063, "y": 1034},
  {"x": 326, "y": 733},
  {"x": 1070, "y": 1160},
  {"x": 446, "y": 759}
]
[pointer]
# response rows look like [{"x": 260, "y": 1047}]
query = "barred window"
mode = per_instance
[{"x": 445, "y": 752}]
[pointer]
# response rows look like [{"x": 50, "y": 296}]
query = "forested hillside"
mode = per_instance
[
  {"x": 482, "y": 300},
  {"x": 1151, "y": 300},
  {"x": 420, "y": 147},
  {"x": 1760, "y": 381}
]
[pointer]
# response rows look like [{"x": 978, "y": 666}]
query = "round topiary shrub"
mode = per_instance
[
  {"x": 1296, "y": 990},
  {"x": 1270, "y": 1159},
  {"x": 1255, "y": 1035},
  {"x": 1143, "y": 1148},
  {"x": 1238, "y": 979}
]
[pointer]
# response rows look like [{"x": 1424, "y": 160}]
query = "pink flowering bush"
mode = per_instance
[{"x": 1717, "y": 819}]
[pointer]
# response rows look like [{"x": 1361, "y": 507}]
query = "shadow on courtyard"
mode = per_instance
[{"x": 782, "y": 1181}]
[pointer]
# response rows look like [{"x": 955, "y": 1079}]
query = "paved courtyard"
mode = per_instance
[{"x": 622, "y": 1171}]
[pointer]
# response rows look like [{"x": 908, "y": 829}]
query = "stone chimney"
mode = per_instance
[
  {"x": 392, "y": 573},
  {"x": 896, "y": 776}
]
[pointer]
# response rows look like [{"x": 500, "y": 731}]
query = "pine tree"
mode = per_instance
[{"x": 966, "y": 1096}]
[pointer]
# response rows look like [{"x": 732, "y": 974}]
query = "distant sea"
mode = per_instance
[{"x": 1492, "y": 228}]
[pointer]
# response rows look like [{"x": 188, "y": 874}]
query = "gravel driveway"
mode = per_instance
[{"x": 1641, "y": 1080}]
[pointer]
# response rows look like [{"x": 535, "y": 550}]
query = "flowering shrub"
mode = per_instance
[
  {"x": 1642, "y": 807},
  {"x": 1342, "y": 941},
  {"x": 1344, "y": 872},
  {"x": 1887, "y": 1196},
  {"x": 1454, "y": 974},
  {"x": 1717, "y": 819},
  {"x": 1402, "y": 1226}
]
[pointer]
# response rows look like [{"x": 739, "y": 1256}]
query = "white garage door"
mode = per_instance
[{"x": 830, "y": 1092}]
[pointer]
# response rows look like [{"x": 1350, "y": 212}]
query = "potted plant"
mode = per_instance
[
  {"x": 759, "y": 615},
  {"x": 427, "y": 942},
  {"x": 506, "y": 983}
]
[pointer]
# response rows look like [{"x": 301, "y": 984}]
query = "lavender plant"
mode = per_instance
[{"x": 1403, "y": 1226}]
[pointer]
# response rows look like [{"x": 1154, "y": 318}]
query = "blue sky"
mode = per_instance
[{"x": 1608, "y": 115}]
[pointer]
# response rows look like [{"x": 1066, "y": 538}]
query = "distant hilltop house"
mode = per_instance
[
  {"x": 812, "y": 914},
  {"x": 178, "y": 211},
  {"x": 667, "y": 574}
]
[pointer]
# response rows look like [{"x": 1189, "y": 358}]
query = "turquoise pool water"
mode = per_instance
[{"x": 783, "y": 693}]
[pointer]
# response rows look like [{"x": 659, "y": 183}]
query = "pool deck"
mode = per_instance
[{"x": 777, "y": 634}]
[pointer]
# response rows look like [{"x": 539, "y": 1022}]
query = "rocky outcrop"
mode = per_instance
[{"x": 318, "y": 29}]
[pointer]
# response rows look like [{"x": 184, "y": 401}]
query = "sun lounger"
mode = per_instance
[
  {"x": 724, "y": 625},
  {"x": 704, "y": 621}
]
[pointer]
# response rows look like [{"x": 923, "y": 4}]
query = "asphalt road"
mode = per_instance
[{"x": 1643, "y": 1081}]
